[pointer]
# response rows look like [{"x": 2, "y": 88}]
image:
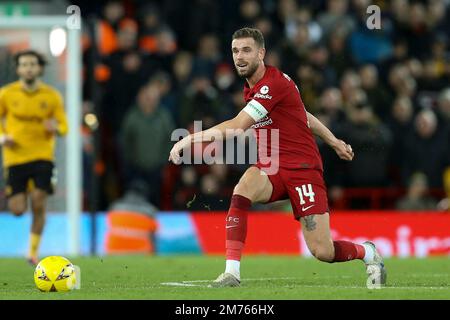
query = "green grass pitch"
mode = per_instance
[{"x": 263, "y": 278}]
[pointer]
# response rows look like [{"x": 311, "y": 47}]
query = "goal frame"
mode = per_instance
[{"x": 73, "y": 103}]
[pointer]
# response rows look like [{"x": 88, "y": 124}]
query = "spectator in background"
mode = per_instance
[
  {"x": 164, "y": 57},
  {"x": 377, "y": 95},
  {"x": 318, "y": 58},
  {"x": 249, "y": 12},
  {"x": 208, "y": 56},
  {"x": 436, "y": 67},
  {"x": 336, "y": 15},
  {"x": 127, "y": 65},
  {"x": 224, "y": 79},
  {"x": 444, "y": 106},
  {"x": 399, "y": 11},
  {"x": 371, "y": 140},
  {"x": 309, "y": 82},
  {"x": 426, "y": 149},
  {"x": 416, "y": 31},
  {"x": 331, "y": 109},
  {"x": 191, "y": 19},
  {"x": 340, "y": 58},
  {"x": 349, "y": 84},
  {"x": 88, "y": 126},
  {"x": 101, "y": 42},
  {"x": 295, "y": 51},
  {"x": 401, "y": 82},
  {"x": 269, "y": 31},
  {"x": 145, "y": 132},
  {"x": 438, "y": 11},
  {"x": 200, "y": 102},
  {"x": 303, "y": 16},
  {"x": 285, "y": 12},
  {"x": 273, "y": 58},
  {"x": 417, "y": 197},
  {"x": 400, "y": 122},
  {"x": 150, "y": 23},
  {"x": 107, "y": 27},
  {"x": 369, "y": 46},
  {"x": 168, "y": 96},
  {"x": 399, "y": 55},
  {"x": 444, "y": 117},
  {"x": 333, "y": 116},
  {"x": 182, "y": 69}
]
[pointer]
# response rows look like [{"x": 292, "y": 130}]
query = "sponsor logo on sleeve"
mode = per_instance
[{"x": 262, "y": 96}]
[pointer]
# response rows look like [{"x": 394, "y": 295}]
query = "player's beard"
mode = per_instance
[
  {"x": 30, "y": 81},
  {"x": 250, "y": 71}
]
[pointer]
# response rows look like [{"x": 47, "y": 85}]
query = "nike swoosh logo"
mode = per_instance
[
  {"x": 227, "y": 227},
  {"x": 304, "y": 209}
]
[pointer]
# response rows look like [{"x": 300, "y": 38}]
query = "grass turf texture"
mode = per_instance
[{"x": 264, "y": 277}]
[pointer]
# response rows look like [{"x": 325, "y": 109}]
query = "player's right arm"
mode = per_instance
[
  {"x": 5, "y": 139},
  {"x": 223, "y": 130}
]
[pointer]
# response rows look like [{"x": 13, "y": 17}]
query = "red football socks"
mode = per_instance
[
  {"x": 346, "y": 251},
  {"x": 236, "y": 226}
]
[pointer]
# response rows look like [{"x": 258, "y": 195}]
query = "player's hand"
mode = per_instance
[
  {"x": 343, "y": 150},
  {"x": 174, "y": 155},
  {"x": 7, "y": 141},
  {"x": 51, "y": 125}
]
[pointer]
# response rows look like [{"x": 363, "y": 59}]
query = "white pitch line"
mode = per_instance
[
  {"x": 249, "y": 279},
  {"x": 180, "y": 284},
  {"x": 190, "y": 283}
]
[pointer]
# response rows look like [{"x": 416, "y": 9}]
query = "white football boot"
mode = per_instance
[
  {"x": 375, "y": 269},
  {"x": 225, "y": 280}
]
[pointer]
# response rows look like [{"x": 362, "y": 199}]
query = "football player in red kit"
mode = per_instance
[{"x": 289, "y": 166}]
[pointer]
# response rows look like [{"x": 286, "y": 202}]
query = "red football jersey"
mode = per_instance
[{"x": 275, "y": 103}]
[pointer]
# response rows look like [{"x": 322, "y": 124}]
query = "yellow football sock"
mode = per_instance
[{"x": 35, "y": 240}]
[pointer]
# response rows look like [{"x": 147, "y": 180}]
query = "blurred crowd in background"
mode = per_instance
[{"x": 153, "y": 66}]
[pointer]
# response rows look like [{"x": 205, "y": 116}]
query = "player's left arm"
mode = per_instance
[
  {"x": 343, "y": 150},
  {"x": 58, "y": 123}
]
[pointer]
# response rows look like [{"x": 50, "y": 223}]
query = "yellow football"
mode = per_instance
[{"x": 55, "y": 274}]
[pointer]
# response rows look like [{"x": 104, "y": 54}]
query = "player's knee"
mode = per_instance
[
  {"x": 242, "y": 189},
  {"x": 250, "y": 185},
  {"x": 38, "y": 208},
  {"x": 16, "y": 210},
  {"x": 246, "y": 187},
  {"x": 323, "y": 253}
]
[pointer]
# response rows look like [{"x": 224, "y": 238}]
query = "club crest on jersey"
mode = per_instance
[
  {"x": 262, "y": 94},
  {"x": 264, "y": 89}
]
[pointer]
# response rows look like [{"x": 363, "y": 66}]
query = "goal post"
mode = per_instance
[{"x": 73, "y": 103}]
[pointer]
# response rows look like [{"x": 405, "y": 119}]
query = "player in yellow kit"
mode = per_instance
[{"x": 31, "y": 115}]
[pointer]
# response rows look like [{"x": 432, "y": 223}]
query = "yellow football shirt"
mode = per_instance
[{"x": 22, "y": 116}]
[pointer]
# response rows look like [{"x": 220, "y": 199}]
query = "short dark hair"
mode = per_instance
[
  {"x": 40, "y": 58},
  {"x": 250, "y": 33}
]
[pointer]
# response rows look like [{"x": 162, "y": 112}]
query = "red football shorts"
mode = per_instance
[{"x": 304, "y": 187}]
